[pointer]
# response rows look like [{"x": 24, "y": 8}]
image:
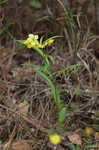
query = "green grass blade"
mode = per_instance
[
  {"x": 5, "y": 28},
  {"x": 65, "y": 69}
]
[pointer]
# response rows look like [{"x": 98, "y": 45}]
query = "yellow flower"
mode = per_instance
[
  {"x": 29, "y": 40},
  {"x": 55, "y": 138},
  {"x": 88, "y": 130},
  {"x": 48, "y": 42},
  {"x": 32, "y": 42},
  {"x": 26, "y": 42},
  {"x": 40, "y": 46},
  {"x": 33, "y": 37}
]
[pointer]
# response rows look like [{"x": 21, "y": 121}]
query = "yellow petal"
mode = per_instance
[
  {"x": 36, "y": 37},
  {"x": 29, "y": 40},
  {"x": 88, "y": 130},
  {"x": 29, "y": 46},
  {"x": 55, "y": 138},
  {"x": 50, "y": 42},
  {"x": 25, "y": 42},
  {"x": 31, "y": 36},
  {"x": 41, "y": 46},
  {"x": 33, "y": 45}
]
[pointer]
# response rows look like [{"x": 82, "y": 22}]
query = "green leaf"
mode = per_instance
[
  {"x": 58, "y": 91},
  {"x": 92, "y": 146},
  {"x": 47, "y": 60},
  {"x": 62, "y": 115},
  {"x": 40, "y": 52},
  {"x": 51, "y": 58},
  {"x": 71, "y": 146},
  {"x": 53, "y": 89},
  {"x": 46, "y": 69},
  {"x": 58, "y": 96},
  {"x": 77, "y": 92},
  {"x": 3, "y": 2},
  {"x": 75, "y": 71},
  {"x": 38, "y": 15},
  {"x": 20, "y": 41},
  {"x": 35, "y": 4},
  {"x": 41, "y": 40},
  {"x": 42, "y": 68}
]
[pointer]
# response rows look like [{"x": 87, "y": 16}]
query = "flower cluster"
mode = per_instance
[
  {"x": 55, "y": 138},
  {"x": 32, "y": 42}
]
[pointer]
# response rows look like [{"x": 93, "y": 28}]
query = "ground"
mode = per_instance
[{"x": 28, "y": 109}]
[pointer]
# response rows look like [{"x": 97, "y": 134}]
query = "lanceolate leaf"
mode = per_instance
[
  {"x": 62, "y": 115},
  {"x": 49, "y": 82}
]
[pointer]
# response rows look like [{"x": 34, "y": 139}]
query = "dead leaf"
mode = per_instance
[
  {"x": 82, "y": 1},
  {"x": 21, "y": 145},
  {"x": 23, "y": 107},
  {"x": 6, "y": 145},
  {"x": 75, "y": 139},
  {"x": 97, "y": 138}
]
